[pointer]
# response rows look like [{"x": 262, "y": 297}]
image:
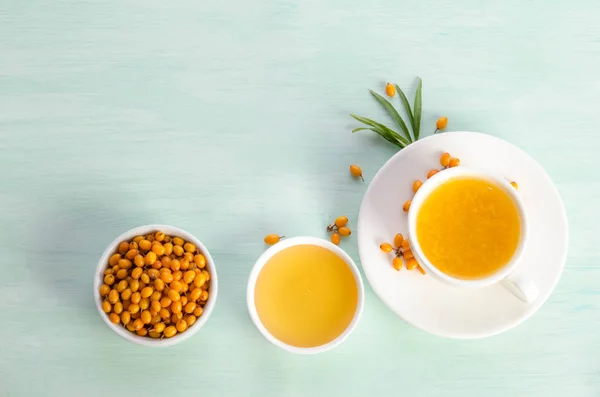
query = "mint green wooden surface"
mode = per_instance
[{"x": 230, "y": 120}]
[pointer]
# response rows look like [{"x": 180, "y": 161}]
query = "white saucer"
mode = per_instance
[{"x": 442, "y": 309}]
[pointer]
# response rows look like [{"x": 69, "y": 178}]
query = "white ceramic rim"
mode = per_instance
[
  {"x": 144, "y": 340},
  {"x": 268, "y": 254},
  {"x": 433, "y": 183}
]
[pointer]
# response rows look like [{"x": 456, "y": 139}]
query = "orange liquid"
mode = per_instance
[
  {"x": 468, "y": 228},
  {"x": 306, "y": 296}
]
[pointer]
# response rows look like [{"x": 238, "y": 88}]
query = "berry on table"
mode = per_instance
[
  {"x": 441, "y": 123},
  {"x": 356, "y": 171},
  {"x": 390, "y": 90},
  {"x": 417, "y": 185},
  {"x": 269, "y": 239},
  {"x": 406, "y": 206}
]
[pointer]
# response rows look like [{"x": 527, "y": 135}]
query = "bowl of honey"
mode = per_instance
[{"x": 305, "y": 295}]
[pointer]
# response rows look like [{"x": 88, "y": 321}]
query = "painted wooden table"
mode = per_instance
[{"x": 230, "y": 120}]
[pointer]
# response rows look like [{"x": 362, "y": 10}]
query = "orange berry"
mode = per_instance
[
  {"x": 431, "y": 173},
  {"x": 411, "y": 264},
  {"x": 341, "y": 221},
  {"x": 344, "y": 231},
  {"x": 335, "y": 238},
  {"x": 417, "y": 185},
  {"x": 272, "y": 239},
  {"x": 390, "y": 90},
  {"x": 385, "y": 247},
  {"x": 445, "y": 159},
  {"x": 356, "y": 171},
  {"x": 441, "y": 123},
  {"x": 406, "y": 206},
  {"x": 454, "y": 162},
  {"x": 420, "y": 269},
  {"x": 515, "y": 185},
  {"x": 405, "y": 245},
  {"x": 407, "y": 254},
  {"x": 397, "y": 263},
  {"x": 398, "y": 239}
]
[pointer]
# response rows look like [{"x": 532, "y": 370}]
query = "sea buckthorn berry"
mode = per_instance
[
  {"x": 141, "y": 332},
  {"x": 189, "y": 307},
  {"x": 158, "y": 249},
  {"x": 431, "y": 173},
  {"x": 341, "y": 221},
  {"x": 138, "y": 324},
  {"x": 445, "y": 160},
  {"x": 356, "y": 171},
  {"x": 406, "y": 245},
  {"x": 189, "y": 276},
  {"x": 113, "y": 296},
  {"x": 153, "y": 273},
  {"x": 125, "y": 318},
  {"x": 176, "y": 307},
  {"x": 385, "y": 247},
  {"x": 131, "y": 254},
  {"x": 159, "y": 236},
  {"x": 184, "y": 264},
  {"x": 177, "y": 275},
  {"x": 183, "y": 300},
  {"x": 417, "y": 185},
  {"x": 189, "y": 247},
  {"x": 206, "y": 275},
  {"x": 190, "y": 320},
  {"x": 122, "y": 286},
  {"x": 138, "y": 260},
  {"x": 271, "y": 239},
  {"x": 204, "y": 295},
  {"x": 114, "y": 259},
  {"x": 198, "y": 311},
  {"x": 159, "y": 285},
  {"x": 178, "y": 250},
  {"x": 441, "y": 123},
  {"x": 166, "y": 277},
  {"x": 134, "y": 285},
  {"x": 106, "y": 307},
  {"x": 136, "y": 297},
  {"x": 156, "y": 295},
  {"x": 121, "y": 274},
  {"x": 397, "y": 263},
  {"x": 150, "y": 258},
  {"x": 114, "y": 318},
  {"x": 344, "y": 231},
  {"x": 145, "y": 278},
  {"x": 136, "y": 273},
  {"x": 176, "y": 317},
  {"x": 170, "y": 331},
  {"x": 104, "y": 290},
  {"x": 168, "y": 248},
  {"x": 390, "y": 90},
  {"x": 160, "y": 327},
  {"x": 181, "y": 325},
  {"x": 176, "y": 285},
  {"x": 123, "y": 247},
  {"x": 150, "y": 237},
  {"x": 155, "y": 307},
  {"x": 173, "y": 295},
  {"x": 109, "y": 279},
  {"x": 126, "y": 295},
  {"x": 398, "y": 239},
  {"x": 178, "y": 241},
  {"x": 406, "y": 206},
  {"x": 200, "y": 260},
  {"x": 335, "y": 238},
  {"x": 411, "y": 264},
  {"x": 137, "y": 239},
  {"x": 118, "y": 308},
  {"x": 454, "y": 162},
  {"x": 147, "y": 292},
  {"x": 133, "y": 308},
  {"x": 145, "y": 245},
  {"x": 195, "y": 294},
  {"x": 164, "y": 313},
  {"x": 515, "y": 185},
  {"x": 199, "y": 280},
  {"x": 188, "y": 256},
  {"x": 144, "y": 303},
  {"x": 407, "y": 254},
  {"x": 146, "y": 317}
]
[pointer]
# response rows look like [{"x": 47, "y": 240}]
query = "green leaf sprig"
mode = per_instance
[{"x": 414, "y": 117}]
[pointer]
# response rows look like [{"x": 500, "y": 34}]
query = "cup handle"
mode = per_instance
[{"x": 521, "y": 287}]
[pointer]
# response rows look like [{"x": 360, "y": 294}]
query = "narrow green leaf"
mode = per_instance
[
  {"x": 395, "y": 135},
  {"x": 393, "y": 112},
  {"x": 406, "y": 104},
  {"x": 386, "y": 133},
  {"x": 417, "y": 107}
]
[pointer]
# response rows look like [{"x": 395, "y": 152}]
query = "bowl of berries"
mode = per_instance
[{"x": 155, "y": 285}]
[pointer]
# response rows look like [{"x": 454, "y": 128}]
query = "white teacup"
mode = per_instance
[{"x": 508, "y": 275}]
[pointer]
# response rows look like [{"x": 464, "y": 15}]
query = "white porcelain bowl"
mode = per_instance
[
  {"x": 144, "y": 340},
  {"x": 268, "y": 254}
]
